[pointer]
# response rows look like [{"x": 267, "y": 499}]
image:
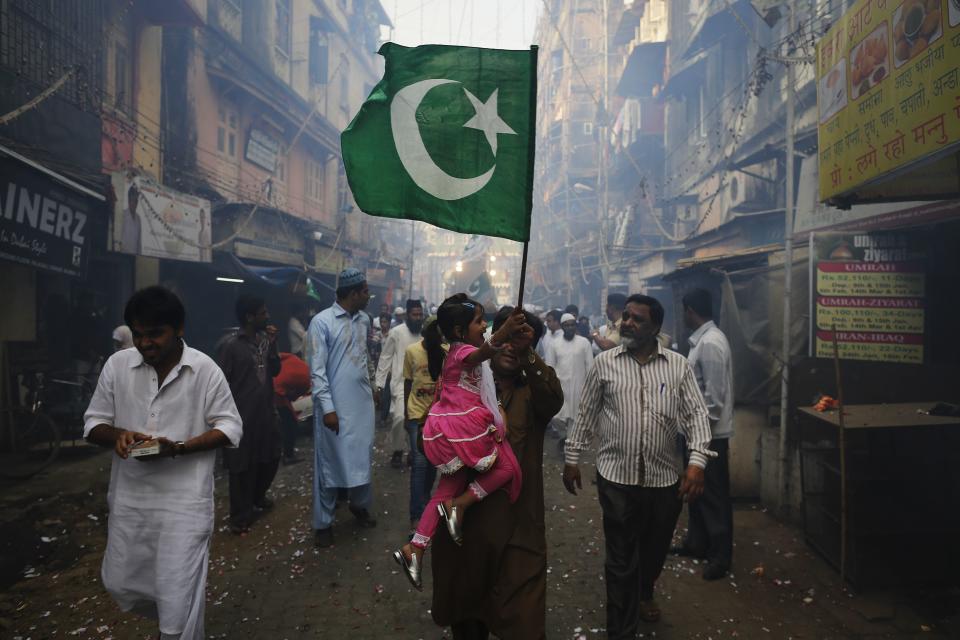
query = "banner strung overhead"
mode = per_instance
[{"x": 888, "y": 90}]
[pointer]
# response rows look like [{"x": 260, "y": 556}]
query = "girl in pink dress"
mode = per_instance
[{"x": 465, "y": 428}]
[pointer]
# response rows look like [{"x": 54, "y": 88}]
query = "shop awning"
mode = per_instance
[
  {"x": 227, "y": 265},
  {"x": 688, "y": 73},
  {"x": 643, "y": 71},
  {"x": 727, "y": 259},
  {"x": 629, "y": 22}
]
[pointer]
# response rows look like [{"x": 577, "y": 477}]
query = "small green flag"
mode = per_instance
[
  {"x": 447, "y": 137},
  {"x": 312, "y": 290}
]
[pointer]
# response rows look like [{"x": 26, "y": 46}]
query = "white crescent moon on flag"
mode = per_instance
[{"x": 413, "y": 154}]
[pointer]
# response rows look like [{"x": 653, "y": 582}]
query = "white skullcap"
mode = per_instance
[
  {"x": 399, "y": 311},
  {"x": 567, "y": 317}
]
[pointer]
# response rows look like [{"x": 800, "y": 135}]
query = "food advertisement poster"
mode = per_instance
[
  {"x": 888, "y": 89},
  {"x": 870, "y": 288},
  {"x": 152, "y": 220}
]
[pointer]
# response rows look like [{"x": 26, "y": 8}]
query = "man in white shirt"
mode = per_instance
[
  {"x": 161, "y": 505},
  {"x": 608, "y": 336},
  {"x": 571, "y": 357},
  {"x": 637, "y": 398},
  {"x": 710, "y": 530},
  {"x": 391, "y": 365},
  {"x": 296, "y": 330},
  {"x": 552, "y": 322}
]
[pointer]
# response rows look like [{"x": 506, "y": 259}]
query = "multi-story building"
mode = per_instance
[
  {"x": 81, "y": 99},
  {"x": 255, "y": 102},
  {"x": 181, "y": 142},
  {"x": 565, "y": 238}
]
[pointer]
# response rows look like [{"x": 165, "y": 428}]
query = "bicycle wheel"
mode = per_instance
[{"x": 31, "y": 444}]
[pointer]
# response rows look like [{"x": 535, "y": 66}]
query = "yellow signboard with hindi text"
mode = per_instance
[{"x": 888, "y": 90}]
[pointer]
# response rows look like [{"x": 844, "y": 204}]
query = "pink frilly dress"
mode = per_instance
[{"x": 461, "y": 431}]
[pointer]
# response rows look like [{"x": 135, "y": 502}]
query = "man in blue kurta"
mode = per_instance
[{"x": 343, "y": 411}]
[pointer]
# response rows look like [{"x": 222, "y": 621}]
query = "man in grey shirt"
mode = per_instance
[{"x": 710, "y": 530}]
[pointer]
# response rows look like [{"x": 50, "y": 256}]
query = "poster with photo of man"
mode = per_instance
[{"x": 152, "y": 220}]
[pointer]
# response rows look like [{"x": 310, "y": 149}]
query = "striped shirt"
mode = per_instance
[{"x": 637, "y": 411}]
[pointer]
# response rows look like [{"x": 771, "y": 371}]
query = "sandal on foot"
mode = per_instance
[
  {"x": 411, "y": 568},
  {"x": 649, "y": 611},
  {"x": 450, "y": 516}
]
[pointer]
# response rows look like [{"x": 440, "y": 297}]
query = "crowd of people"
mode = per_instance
[{"x": 468, "y": 407}]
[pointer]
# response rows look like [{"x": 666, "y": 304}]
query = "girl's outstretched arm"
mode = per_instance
[{"x": 498, "y": 340}]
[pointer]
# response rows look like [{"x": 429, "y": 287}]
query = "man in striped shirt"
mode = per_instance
[{"x": 637, "y": 399}]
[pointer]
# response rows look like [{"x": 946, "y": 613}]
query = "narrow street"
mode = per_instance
[{"x": 273, "y": 583}]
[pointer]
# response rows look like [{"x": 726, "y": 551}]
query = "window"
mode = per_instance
[
  {"x": 588, "y": 128},
  {"x": 702, "y": 123},
  {"x": 314, "y": 182},
  {"x": 231, "y": 18},
  {"x": 319, "y": 51},
  {"x": 122, "y": 79},
  {"x": 281, "y": 170},
  {"x": 227, "y": 124},
  {"x": 282, "y": 24}
]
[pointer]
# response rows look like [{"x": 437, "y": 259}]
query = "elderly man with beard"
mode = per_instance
[
  {"x": 637, "y": 397},
  {"x": 571, "y": 357},
  {"x": 497, "y": 581},
  {"x": 391, "y": 365}
]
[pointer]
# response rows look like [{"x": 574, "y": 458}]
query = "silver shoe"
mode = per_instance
[
  {"x": 411, "y": 568},
  {"x": 453, "y": 524}
]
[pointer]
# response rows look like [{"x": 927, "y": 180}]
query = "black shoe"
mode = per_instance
[
  {"x": 714, "y": 571},
  {"x": 396, "y": 460},
  {"x": 363, "y": 518},
  {"x": 239, "y": 528},
  {"x": 263, "y": 504},
  {"x": 686, "y": 552},
  {"x": 324, "y": 537}
]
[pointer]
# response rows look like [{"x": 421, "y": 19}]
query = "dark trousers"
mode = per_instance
[
  {"x": 288, "y": 430},
  {"x": 469, "y": 630},
  {"x": 638, "y": 524},
  {"x": 710, "y": 530},
  {"x": 422, "y": 474},
  {"x": 248, "y": 488}
]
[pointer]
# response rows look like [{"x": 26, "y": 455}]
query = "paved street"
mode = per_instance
[{"x": 272, "y": 583}]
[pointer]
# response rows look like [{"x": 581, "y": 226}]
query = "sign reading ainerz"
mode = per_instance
[{"x": 43, "y": 223}]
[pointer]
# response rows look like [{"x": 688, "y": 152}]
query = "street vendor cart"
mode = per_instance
[{"x": 902, "y": 478}]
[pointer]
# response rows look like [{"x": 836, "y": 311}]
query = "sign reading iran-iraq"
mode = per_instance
[{"x": 446, "y": 137}]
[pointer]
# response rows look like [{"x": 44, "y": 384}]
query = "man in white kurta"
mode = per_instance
[
  {"x": 571, "y": 356},
  {"x": 391, "y": 364},
  {"x": 161, "y": 509}
]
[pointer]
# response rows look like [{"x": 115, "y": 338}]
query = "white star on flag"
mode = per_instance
[{"x": 487, "y": 119}]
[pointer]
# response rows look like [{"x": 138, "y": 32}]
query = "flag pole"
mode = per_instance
[
  {"x": 532, "y": 142},
  {"x": 523, "y": 275}
]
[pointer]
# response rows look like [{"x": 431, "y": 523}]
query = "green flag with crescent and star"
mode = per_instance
[{"x": 446, "y": 137}]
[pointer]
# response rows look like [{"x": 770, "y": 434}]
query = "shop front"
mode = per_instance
[{"x": 61, "y": 286}]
